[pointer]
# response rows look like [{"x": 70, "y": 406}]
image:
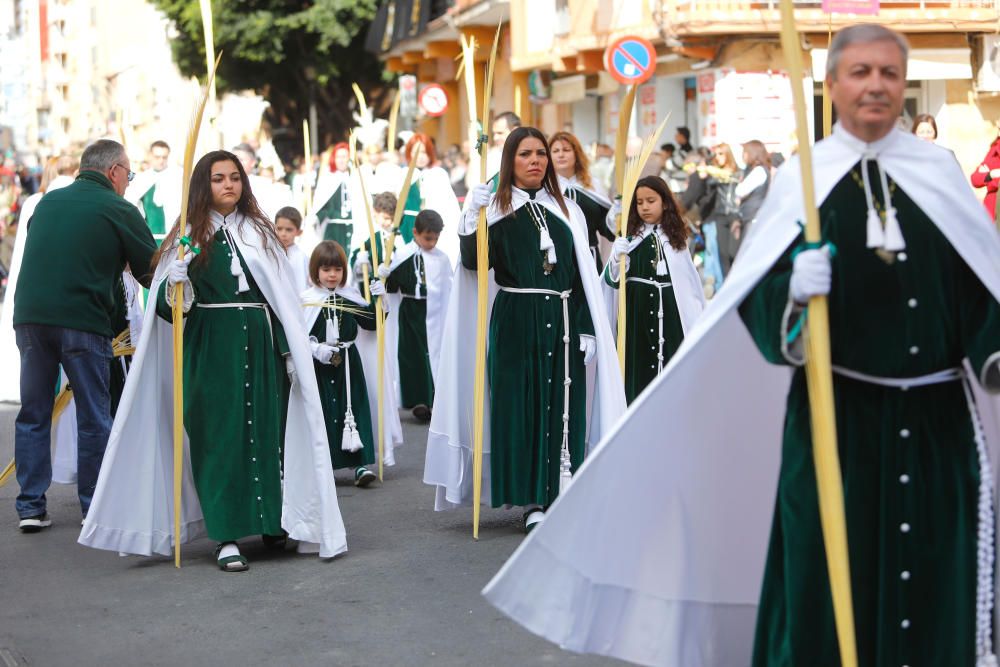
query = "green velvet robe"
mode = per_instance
[
  {"x": 333, "y": 386},
  {"x": 595, "y": 213},
  {"x": 642, "y": 303},
  {"x": 526, "y": 359},
  {"x": 413, "y": 354},
  {"x": 336, "y": 213},
  {"x": 155, "y": 218},
  {"x": 235, "y": 399},
  {"x": 414, "y": 205},
  {"x": 909, "y": 461}
]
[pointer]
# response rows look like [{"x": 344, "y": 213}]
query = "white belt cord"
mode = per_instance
[
  {"x": 414, "y": 296},
  {"x": 948, "y": 375},
  {"x": 350, "y": 441},
  {"x": 659, "y": 315},
  {"x": 241, "y": 306},
  {"x": 564, "y": 458},
  {"x": 985, "y": 551}
]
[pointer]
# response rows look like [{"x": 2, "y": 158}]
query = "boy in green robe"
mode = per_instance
[{"x": 421, "y": 277}]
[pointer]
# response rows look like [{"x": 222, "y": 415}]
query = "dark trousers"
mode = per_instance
[{"x": 86, "y": 358}]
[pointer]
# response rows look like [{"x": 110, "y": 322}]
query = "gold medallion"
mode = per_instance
[{"x": 336, "y": 360}]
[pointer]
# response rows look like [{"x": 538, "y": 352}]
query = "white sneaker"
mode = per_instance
[{"x": 34, "y": 524}]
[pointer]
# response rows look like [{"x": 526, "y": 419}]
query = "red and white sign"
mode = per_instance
[{"x": 433, "y": 100}]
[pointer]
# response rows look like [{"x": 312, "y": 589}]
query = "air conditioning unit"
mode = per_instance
[{"x": 988, "y": 73}]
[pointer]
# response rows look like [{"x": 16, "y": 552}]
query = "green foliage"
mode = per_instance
[{"x": 286, "y": 50}]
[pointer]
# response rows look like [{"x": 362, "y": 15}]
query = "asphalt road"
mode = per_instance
[{"x": 406, "y": 593}]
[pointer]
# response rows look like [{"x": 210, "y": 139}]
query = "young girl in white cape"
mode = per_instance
[
  {"x": 662, "y": 288},
  {"x": 257, "y": 460},
  {"x": 335, "y": 315}
]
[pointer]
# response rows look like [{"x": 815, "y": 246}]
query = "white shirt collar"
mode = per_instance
[{"x": 861, "y": 147}]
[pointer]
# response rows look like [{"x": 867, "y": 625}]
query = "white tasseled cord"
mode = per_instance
[
  {"x": 985, "y": 657},
  {"x": 235, "y": 268},
  {"x": 565, "y": 476},
  {"x": 417, "y": 266},
  {"x": 889, "y": 237},
  {"x": 546, "y": 244}
]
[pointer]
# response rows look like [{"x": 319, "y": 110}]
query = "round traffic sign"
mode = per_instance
[
  {"x": 433, "y": 99},
  {"x": 630, "y": 59}
]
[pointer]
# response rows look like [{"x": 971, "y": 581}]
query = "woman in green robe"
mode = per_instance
[
  {"x": 662, "y": 289},
  {"x": 332, "y": 203},
  {"x": 541, "y": 333},
  {"x": 334, "y": 314},
  {"x": 235, "y": 382},
  {"x": 573, "y": 169}
]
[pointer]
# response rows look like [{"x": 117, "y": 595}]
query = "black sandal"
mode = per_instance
[{"x": 235, "y": 563}]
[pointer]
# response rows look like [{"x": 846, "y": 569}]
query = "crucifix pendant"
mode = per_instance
[
  {"x": 546, "y": 266},
  {"x": 337, "y": 359}
]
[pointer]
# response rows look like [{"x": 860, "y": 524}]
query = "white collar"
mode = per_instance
[
  {"x": 862, "y": 147},
  {"x": 219, "y": 221}
]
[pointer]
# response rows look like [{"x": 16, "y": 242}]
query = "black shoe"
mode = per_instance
[
  {"x": 276, "y": 542},
  {"x": 363, "y": 477},
  {"x": 34, "y": 524},
  {"x": 422, "y": 413}
]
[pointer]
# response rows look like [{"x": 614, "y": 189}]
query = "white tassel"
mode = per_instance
[
  {"x": 661, "y": 267},
  {"x": 237, "y": 271},
  {"x": 876, "y": 237},
  {"x": 331, "y": 336},
  {"x": 893, "y": 234},
  {"x": 350, "y": 440},
  {"x": 546, "y": 244}
]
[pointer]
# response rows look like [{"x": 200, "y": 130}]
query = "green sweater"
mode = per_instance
[{"x": 81, "y": 237}]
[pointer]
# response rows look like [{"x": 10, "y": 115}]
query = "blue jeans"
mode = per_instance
[
  {"x": 713, "y": 265},
  {"x": 86, "y": 358}
]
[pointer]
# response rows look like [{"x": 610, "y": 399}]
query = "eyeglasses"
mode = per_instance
[{"x": 131, "y": 174}]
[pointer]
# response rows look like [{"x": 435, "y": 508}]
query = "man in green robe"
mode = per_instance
[
  {"x": 905, "y": 310},
  {"x": 156, "y": 191},
  {"x": 913, "y": 283}
]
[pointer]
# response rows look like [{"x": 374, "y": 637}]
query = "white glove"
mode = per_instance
[
  {"x": 589, "y": 348},
  {"x": 360, "y": 261},
  {"x": 377, "y": 288},
  {"x": 479, "y": 197},
  {"x": 811, "y": 275},
  {"x": 611, "y": 220},
  {"x": 618, "y": 248},
  {"x": 323, "y": 352},
  {"x": 177, "y": 272},
  {"x": 290, "y": 369},
  {"x": 383, "y": 272}
]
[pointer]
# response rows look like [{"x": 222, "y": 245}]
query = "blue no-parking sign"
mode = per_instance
[{"x": 630, "y": 59}]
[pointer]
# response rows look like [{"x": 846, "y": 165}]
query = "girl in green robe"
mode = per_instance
[
  {"x": 336, "y": 312},
  {"x": 235, "y": 382},
  {"x": 663, "y": 294}
]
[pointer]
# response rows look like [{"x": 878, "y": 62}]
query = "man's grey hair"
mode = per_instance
[
  {"x": 101, "y": 155},
  {"x": 865, "y": 33}
]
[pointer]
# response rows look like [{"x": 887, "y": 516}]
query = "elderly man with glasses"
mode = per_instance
[{"x": 80, "y": 239}]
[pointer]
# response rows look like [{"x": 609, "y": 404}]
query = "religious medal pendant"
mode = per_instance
[
  {"x": 886, "y": 256},
  {"x": 337, "y": 359},
  {"x": 546, "y": 265}
]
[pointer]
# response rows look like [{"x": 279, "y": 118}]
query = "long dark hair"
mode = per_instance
[
  {"x": 199, "y": 225},
  {"x": 506, "y": 178},
  {"x": 672, "y": 224}
]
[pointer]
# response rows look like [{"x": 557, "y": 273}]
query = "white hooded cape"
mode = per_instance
[
  {"x": 367, "y": 346},
  {"x": 439, "y": 271},
  {"x": 684, "y": 280},
  {"x": 439, "y": 196},
  {"x": 132, "y": 509},
  {"x": 10, "y": 357},
  {"x": 663, "y": 565},
  {"x": 448, "y": 465}
]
